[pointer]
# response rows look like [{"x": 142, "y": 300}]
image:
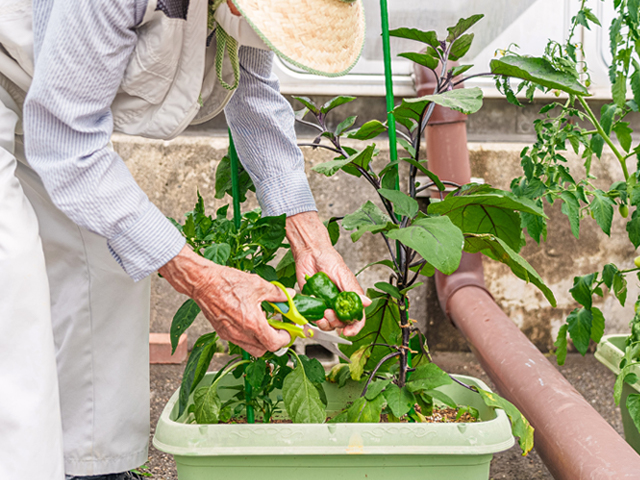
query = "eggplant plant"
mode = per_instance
[
  {"x": 571, "y": 125},
  {"x": 390, "y": 355}
]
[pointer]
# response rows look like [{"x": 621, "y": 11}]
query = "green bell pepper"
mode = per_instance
[
  {"x": 321, "y": 286},
  {"x": 310, "y": 308},
  {"x": 348, "y": 307}
]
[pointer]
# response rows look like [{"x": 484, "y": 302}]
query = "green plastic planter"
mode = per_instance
[
  {"x": 610, "y": 352},
  {"x": 369, "y": 451}
]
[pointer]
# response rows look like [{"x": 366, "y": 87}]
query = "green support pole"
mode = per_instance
[
  {"x": 237, "y": 216},
  {"x": 391, "y": 121}
]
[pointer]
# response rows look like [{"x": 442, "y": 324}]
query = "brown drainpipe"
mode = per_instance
[{"x": 572, "y": 439}]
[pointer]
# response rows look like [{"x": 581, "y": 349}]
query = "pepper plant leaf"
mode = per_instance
[
  {"x": 483, "y": 209},
  {"x": 436, "y": 239},
  {"x": 399, "y": 400},
  {"x": 539, "y": 71},
  {"x": 207, "y": 405},
  {"x": 313, "y": 369},
  {"x": 182, "y": 320},
  {"x": 224, "y": 185},
  {"x": 465, "y": 100},
  {"x": 196, "y": 367},
  {"x": 633, "y": 406},
  {"x": 301, "y": 398},
  {"x": 520, "y": 426},
  {"x": 218, "y": 253},
  {"x": 255, "y": 372},
  {"x": 403, "y": 204},
  {"x": 497, "y": 249},
  {"x": 382, "y": 327},
  {"x": 368, "y": 218}
]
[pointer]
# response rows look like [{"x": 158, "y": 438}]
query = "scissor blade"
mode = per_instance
[
  {"x": 334, "y": 349},
  {"x": 324, "y": 336}
]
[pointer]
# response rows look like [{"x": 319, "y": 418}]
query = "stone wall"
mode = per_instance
[{"x": 170, "y": 172}]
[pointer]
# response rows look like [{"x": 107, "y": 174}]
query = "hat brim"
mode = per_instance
[{"x": 323, "y": 37}]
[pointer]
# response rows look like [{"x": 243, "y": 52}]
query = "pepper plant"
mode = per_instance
[{"x": 572, "y": 125}]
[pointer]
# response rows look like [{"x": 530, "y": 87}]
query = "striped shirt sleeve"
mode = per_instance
[{"x": 262, "y": 124}]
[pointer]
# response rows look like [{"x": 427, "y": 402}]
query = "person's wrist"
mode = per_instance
[
  {"x": 185, "y": 271},
  {"x": 305, "y": 231}
]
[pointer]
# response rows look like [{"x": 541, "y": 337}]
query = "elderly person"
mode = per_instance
[{"x": 78, "y": 237}]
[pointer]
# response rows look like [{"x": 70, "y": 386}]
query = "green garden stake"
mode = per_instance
[{"x": 235, "y": 189}]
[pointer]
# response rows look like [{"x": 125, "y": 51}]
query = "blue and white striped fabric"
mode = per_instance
[{"x": 82, "y": 48}]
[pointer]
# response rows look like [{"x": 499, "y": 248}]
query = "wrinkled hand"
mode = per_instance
[
  {"x": 313, "y": 252},
  {"x": 229, "y": 299}
]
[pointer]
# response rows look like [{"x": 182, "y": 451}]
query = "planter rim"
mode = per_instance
[
  {"x": 481, "y": 438},
  {"x": 610, "y": 355}
]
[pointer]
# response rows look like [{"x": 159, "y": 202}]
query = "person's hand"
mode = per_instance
[
  {"x": 229, "y": 299},
  {"x": 313, "y": 252}
]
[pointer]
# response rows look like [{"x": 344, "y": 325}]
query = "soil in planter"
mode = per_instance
[{"x": 439, "y": 415}]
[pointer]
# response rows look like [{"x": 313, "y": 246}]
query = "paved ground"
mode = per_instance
[{"x": 587, "y": 375}]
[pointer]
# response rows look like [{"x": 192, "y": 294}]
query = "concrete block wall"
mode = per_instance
[{"x": 171, "y": 172}]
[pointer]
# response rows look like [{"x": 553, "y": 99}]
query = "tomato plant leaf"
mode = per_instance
[
  {"x": 465, "y": 100},
  {"x": 399, "y": 400},
  {"x": 520, "y": 426},
  {"x": 207, "y": 405},
  {"x": 561, "y": 344},
  {"x": 597, "y": 324},
  {"x": 602, "y": 208},
  {"x": 497, "y": 249},
  {"x": 301, "y": 398},
  {"x": 581, "y": 290},
  {"x": 436, "y": 239},
  {"x": 623, "y": 132},
  {"x": 633, "y": 228},
  {"x": 580, "y": 322},
  {"x": 182, "y": 320},
  {"x": 403, "y": 204},
  {"x": 571, "y": 208},
  {"x": 539, "y": 71}
]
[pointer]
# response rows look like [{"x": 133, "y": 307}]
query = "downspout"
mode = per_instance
[{"x": 572, "y": 439}]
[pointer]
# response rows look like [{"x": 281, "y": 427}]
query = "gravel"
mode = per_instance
[{"x": 592, "y": 379}]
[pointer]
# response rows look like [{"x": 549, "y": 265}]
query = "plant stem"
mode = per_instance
[
  {"x": 606, "y": 138},
  {"x": 473, "y": 389},
  {"x": 404, "y": 323},
  {"x": 375, "y": 370},
  {"x": 310, "y": 124},
  {"x": 319, "y": 145}
]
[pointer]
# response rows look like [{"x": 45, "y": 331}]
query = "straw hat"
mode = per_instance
[{"x": 324, "y": 37}]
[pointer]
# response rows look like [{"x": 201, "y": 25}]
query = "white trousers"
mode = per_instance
[{"x": 74, "y": 333}]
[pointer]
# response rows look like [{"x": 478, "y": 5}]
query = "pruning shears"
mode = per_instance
[{"x": 301, "y": 326}]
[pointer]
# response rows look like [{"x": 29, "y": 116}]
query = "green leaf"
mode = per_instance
[
  {"x": 313, "y": 369},
  {"x": 223, "y": 180},
  {"x": 597, "y": 325},
  {"x": 607, "y": 112},
  {"x": 520, "y": 426},
  {"x": 580, "y": 328},
  {"x": 581, "y": 290},
  {"x": 369, "y": 130},
  {"x": 339, "y": 374},
  {"x": 539, "y": 71},
  {"x": 497, "y": 249},
  {"x": 483, "y": 209},
  {"x": 346, "y": 123},
  {"x": 561, "y": 344},
  {"x": 602, "y": 208},
  {"x": 608, "y": 272},
  {"x": 462, "y": 26},
  {"x": 441, "y": 397},
  {"x": 360, "y": 158},
  {"x": 403, "y": 204},
  {"x": 368, "y": 218},
  {"x": 386, "y": 263},
  {"x": 307, "y": 102},
  {"x": 335, "y": 102},
  {"x": 633, "y": 228},
  {"x": 620, "y": 380},
  {"x": 635, "y": 85},
  {"x": 358, "y": 361},
  {"x": 429, "y": 38},
  {"x": 459, "y": 70},
  {"x": 182, "y": 320},
  {"x": 623, "y": 132},
  {"x": 382, "y": 327},
  {"x": 218, "y": 253},
  {"x": 376, "y": 388},
  {"x": 301, "y": 398},
  {"x": 620, "y": 287},
  {"x": 436, "y": 239},
  {"x": 196, "y": 367},
  {"x": 597, "y": 144},
  {"x": 633, "y": 405},
  {"x": 428, "y": 377},
  {"x": 461, "y": 46},
  {"x": 399, "y": 400},
  {"x": 207, "y": 405},
  {"x": 366, "y": 411},
  {"x": 286, "y": 267},
  {"x": 421, "y": 59},
  {"x": 619, "y": 90},
  {"x": 390, "y": 289},
  {"x": 571, "y": 208},
  {"x": 255, "y": 372},
  {"x": 465, "y": 100},
  {"x": 432, "y": 176}
]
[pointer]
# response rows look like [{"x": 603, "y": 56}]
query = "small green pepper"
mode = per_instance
[
  {"x": 348, "y": 307},
  {"x": 310, "y": 308},
  {"x": 321, "y": 286}
]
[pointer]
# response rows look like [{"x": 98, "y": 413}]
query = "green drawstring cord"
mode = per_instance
[{"x": 224, "y": 42}]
